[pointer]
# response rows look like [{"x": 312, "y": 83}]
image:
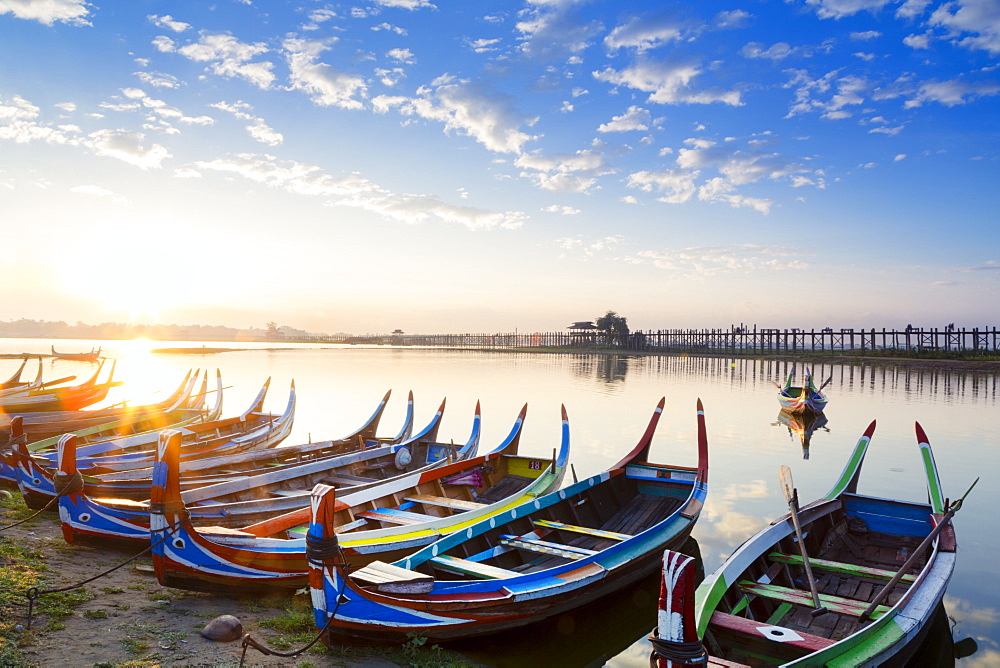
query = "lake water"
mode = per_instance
[{"x": 609, "y": 400}]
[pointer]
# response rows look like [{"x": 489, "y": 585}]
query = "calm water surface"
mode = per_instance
[{"x": 609, "y": 400}]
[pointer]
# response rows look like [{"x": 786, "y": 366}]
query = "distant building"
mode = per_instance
[{"x": 583, "y": 333}]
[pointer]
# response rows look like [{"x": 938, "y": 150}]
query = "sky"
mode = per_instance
[{"x": 445, "y": 167}]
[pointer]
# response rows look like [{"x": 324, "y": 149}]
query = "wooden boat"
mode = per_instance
[
  {"x": 249, "y": 431},
  {"x": 372, "y": 522},
  {"x": 553, "y": 554},
  {"x": 15, "y": 380},
  {"x": 758, "y": 608},
  {"x": 802, "y": 425},
  {"x": 92, "y": 356},
  {"x": 59, "y": 398},
  {"x": 46, "y": 424},
  {"x": 242, "y": 503},
  {"x": 186, "y": 409},
  {"x": 135, "y": 483},
  {"x": 805, "y": 398}
]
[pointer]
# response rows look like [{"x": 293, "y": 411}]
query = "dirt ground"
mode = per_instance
[{"x": 130, "y": 620}]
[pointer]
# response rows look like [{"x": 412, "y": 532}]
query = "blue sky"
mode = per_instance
[{"x": 486, "y": 166}]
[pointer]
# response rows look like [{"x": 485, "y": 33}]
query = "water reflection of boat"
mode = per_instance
[
  {"x": 803, "y": 425},
  {"x": 613, "y": 631},
  {"x": 764, "y": 607}
]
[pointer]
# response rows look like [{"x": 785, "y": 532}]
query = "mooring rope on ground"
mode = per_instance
[
  {"x": 321, "y": 552},
  {"x": 64, "y": 484},
  {"x": 33, "y": 593}
]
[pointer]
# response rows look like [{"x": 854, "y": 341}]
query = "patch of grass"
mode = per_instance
[
  {"x": 95, "y": 614},
  {"x": 138, "y": 587},
  {"x": 137, "y": 635},
  {"x": 112, "y": 590}
]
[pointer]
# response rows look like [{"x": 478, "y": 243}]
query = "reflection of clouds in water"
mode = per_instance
[
  {"x": 988, "y": 658},
  {"x": 962, "y": 611},
  {"x": 722, "y": 528},
  {"x": 636, "y": 655},
  {"x": 755, "y": 489}
]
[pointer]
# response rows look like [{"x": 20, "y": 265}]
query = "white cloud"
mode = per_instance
[
  {"x": 483, "y": 45},
  {"x": 470, "y": 109},
  {"x": 388, "y": 27},
  {"x": 402, "y": 55},
  {"x": 356, "y": 191},
  {"x": 326, "y": 85},
  {"x": 158, "y": 79},
  {"x": 590, "y": 248},
  {"x": 258, "y": 128},
  {"x": 126, "y": 146},
  {"x": 636, "y": 118},
  {"x": 98, "y": 191},
  {"x": 73, "y": 12},
  {"x": 667, "y": 83},
  {"x": 900, "y": 157},
  {"x": 19, "y": 123},
  {"x": 831, "y": 95},
  {"x": 866, "y": 35},
  {"x": 838, "y": 9},
  {"x": 912, "y": 8},
  {"x": 778, "y": 51},
  {"x": 551, "y": 30},
  {"x": 643, "y": 33},
  {"x": 677, "y": 185},
  {"x": 226, "y": 56},
  {"x": 407, "y": 4},
  {"x": 561, "y": 209},
  {"x": 576, "y": 172},
  {"x": 951, "y": 93},
  {"x": 714, "y": 260},
  {"x": 979, "y": 18},
  {"x": 168, "y": 22}
]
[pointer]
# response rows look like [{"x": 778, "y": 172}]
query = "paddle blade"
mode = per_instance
[{"x": 787, "y": 485}]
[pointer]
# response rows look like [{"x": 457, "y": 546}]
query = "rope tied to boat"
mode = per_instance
[
  {"x": 33, "y": 593},
  {"x": 323, "y": 551},
  {"x": 176, "y": 507},
  {"x": 690, "y": 653},
  {"x": 250, "y": 641},
  {"x": 67, "y": 483}
]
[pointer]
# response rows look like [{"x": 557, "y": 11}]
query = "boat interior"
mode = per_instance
[{"x": 853, "y": 551}]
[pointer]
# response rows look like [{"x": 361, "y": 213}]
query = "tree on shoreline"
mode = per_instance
[{"x": 615, "y": 327}]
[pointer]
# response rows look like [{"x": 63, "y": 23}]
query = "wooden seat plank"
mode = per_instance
[
  {"x": 837, "y": 604},
  {"x": 545, "y": 547},
  {"x": 444, "y": 501},
  {"x": 838, "y": 567},
  {"x": 466, "y": 567},
  {"x": 598, "y": 533},
  {"x": 393, "y": 516}
]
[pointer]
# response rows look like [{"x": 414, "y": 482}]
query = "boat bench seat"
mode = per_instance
[
  {"x": 392, "y": 579},
  {"x": 838, "y": 567},
  {"x": 227, "y": 536},
  {"x": 844, "y": 606},
  {"x": 597, "y": 533},
  {"x": 544, "y": 547},
  {"x": 466, "y": 567},
  {"x": 444, "y": 501},
  {"x": 749, "y": 627},
  {"x": 394, "y": 516}
]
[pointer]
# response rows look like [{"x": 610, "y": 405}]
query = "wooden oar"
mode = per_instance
[
  {"x": 776, "y": 385},
  {"x": 917, "y": 553},
  {"x": 826, "y": 383},
  {"x": 792, "y": 497}
]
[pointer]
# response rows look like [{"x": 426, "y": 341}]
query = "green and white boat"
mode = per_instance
[{"x": 848, "y": 580}]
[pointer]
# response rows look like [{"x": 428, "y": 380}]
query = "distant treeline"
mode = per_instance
[{"x": 32, "y": 329}]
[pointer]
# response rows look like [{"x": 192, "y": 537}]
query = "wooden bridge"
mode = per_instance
[{"x": 736, "y": 340}]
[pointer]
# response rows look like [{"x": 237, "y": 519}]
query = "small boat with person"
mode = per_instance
[{"x": 848, "y": 580}]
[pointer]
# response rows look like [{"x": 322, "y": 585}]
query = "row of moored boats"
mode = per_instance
[{"x": 406, "y": 533}]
